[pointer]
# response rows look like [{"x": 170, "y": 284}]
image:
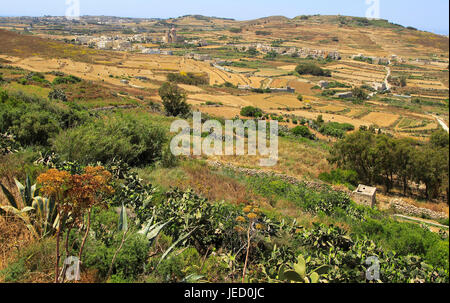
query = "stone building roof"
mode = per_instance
[{"x": 366, "y": 190}]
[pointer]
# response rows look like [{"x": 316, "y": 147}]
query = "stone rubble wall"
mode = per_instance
[
  {"x": 261, "y": 173},
  {"x": 410, "y": 210}
]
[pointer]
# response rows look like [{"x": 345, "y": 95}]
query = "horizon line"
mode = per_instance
[{"x": 440, "y": 32}]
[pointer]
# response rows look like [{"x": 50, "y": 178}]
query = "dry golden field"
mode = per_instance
[{"x": 426, "y": 78}]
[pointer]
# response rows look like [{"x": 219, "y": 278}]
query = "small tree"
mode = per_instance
[
  {"x": 359, "y": 94},
  {"x": 250, "y": 111},
  {"x": 319, "y": 119},
  {"x": 403, "y": 81},
  {"x": 302, "y": 131},
  {"x": 174, "y": 100},
  {"x": 300, "y": 98}
]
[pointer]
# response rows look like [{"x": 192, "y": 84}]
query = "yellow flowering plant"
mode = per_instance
[{"x": 250, "y": 225}]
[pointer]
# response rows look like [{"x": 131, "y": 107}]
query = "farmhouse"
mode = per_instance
[
  {"x": 151, "y": 51},
  {"x": 282, "y": 89},
  {"x": 365, "y": 195},
  {"x": 344, "y": 95},
  {"x": 381, "y": 87},
  {"x": 335, "y": 55}
]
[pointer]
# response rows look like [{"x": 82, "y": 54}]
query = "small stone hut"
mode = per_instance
[{"x": 365, "y": 195}]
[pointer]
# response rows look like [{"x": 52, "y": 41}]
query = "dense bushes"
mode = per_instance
[
  {"x": 188, "y": 78},
  {"x": 359, "y": 94},
  {"x": 133, "y": 139},
  {"x": 250, "y": 111},
  {"x": 66, "y": 80},
  {"x": 212, "y": 223},
  {"x": 302, "y": 131},
  {"x": 213, "y": 250},
  {"x": 312, "y": 69},
  {"x": 340, "y": 176},
  {"x": 130, "y": 261},
  {"x": 335, "y": 129},
  {"x": 408, "y": 238},
  {"x": 324, "y": 201},
  {"x": 345, "y": 255},
  {"x": 34, "y": 120},
  {"x": 382, "y": 159}
]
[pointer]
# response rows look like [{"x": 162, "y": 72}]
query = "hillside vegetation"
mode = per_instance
[{"x": 86, "y": 168}]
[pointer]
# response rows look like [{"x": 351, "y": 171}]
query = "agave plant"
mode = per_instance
[
  {"x": 46, "y": 218},
  {"x": 21, "y": 210},
  {"x": 27, "y": 193},
  {"x": 151, "y": 230},
  {"x": 38, "y": 213}
]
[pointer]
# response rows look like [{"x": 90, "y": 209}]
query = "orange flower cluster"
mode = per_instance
[
  {"x": 54, "y": 183},
  {"x": 252, "y": 213},
  {"x": 75, "y": 193}
]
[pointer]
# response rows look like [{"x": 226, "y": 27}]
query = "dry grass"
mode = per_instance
[
  {"x": 25, "y": 45},
  {"x": 381, "y": 119},
  {"x": 217, "y": 187},
  {"x": 296, "y": 158},
  {"x": 13, "y": 237}
]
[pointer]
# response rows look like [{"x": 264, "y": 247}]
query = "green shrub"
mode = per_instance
[
  {"x": 250, "y": 111},
  {"x": 302, "y": 131},
  {"x": 176, "y": 267},
  {"x": 340, "y": 176},
  {"x": 133, "y": 139},
  {"x": 236, "y": 30},
  {"x": 130, "y": 261},
  {"x": 34, "y": 120},
  {"x": 66, "y": 80},
  {"x": 14, "y": 272},
  {"x": 57, "y": 94},
  {"x": 168, "y": 159},
  {"x": 408, "y": 239},
  {"x": 37, "y": 257},
  {"x": 335, "y": 129},
  {"x": 359, "y": 93},
  {"x": 311, "y": 69},
  {"x": 438, "y": 254},
  {"x": 174, "y": 100},
  {"x": 188, "y": 78}
]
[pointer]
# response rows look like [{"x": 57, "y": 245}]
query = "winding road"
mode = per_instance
[
  {"x": 386, "y": 82},
  {"x": 442, "y": 123}
]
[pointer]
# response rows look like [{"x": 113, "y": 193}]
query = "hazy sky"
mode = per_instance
[{"x": 430, "y": 15}]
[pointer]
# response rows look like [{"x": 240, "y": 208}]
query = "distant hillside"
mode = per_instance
[{"x": 21, "y": 45}]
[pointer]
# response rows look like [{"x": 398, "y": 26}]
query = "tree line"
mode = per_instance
[{"x": 382, "y": 159}]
